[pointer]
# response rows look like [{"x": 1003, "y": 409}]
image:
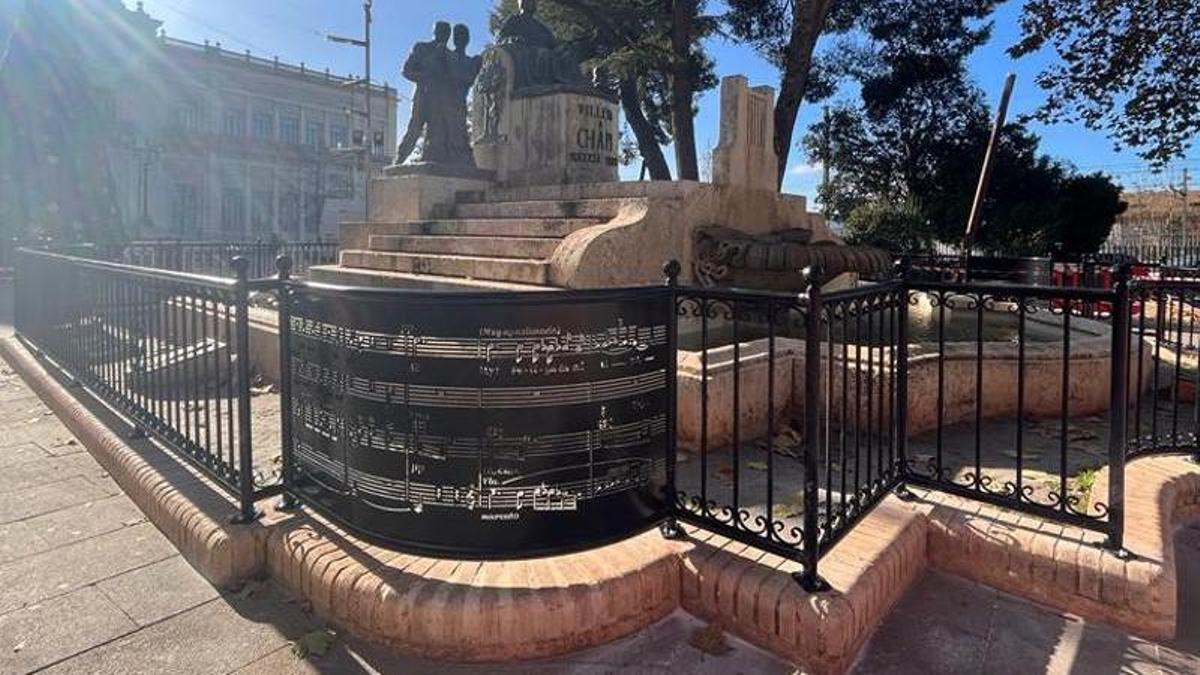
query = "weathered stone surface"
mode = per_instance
[
  {"x": 41, "y": 634},
  {"x": 556, "y": 137},
  {"x": 415, "y": 196},
  {"x": 155, "y": 592},
  {"x": 745, "y": 155}
]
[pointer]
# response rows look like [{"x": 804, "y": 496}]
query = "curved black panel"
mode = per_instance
[{"x": 482, "y": 426}]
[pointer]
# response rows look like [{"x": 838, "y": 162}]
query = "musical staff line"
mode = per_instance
[{"x": 476, "y": 397}]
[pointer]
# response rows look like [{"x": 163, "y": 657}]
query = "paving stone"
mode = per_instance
[
  {"x": 212, "y": 638},
  {"x": 46, "y": 468},
  {"x": 86, "y": 520},
  {"x": 157, "y": 591},
  {"x": 14, "y": 455},
  {"x": 49, "y": 497},
  {"x": 17, "y": 540},
  {"x": 58, "y": 571},
  {"x": 41, "y": 634}
]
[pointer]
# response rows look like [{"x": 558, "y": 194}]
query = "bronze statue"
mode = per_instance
[
  {"x": 538, "y": 59},
  {"x": 439, "y": 109}
]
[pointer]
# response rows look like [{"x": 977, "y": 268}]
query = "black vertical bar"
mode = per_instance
[
  {"x": 1065, "y": 411},
  {"x": 901, "y": 413},
  {"x": 669, "y": 527},
  {"x": 283, "y": 267},
  {"x": 870, "y": 341},
  {"x": 245, "y": 449},
  {"x": 941, "y": 380},
  {"x": 771, "y": 418},
  {"x": 979, "y": 391},
  {"x": 1117, "y": 410},
  {"x": 1178, "y": 369},
  {"x": 737, "y": 413},
  {"x": 1158, "y": 340},
  {"x": 810, "y": 580},
  {"x": 1020, "y": 398},
  {"x": 703, "y": 305}
]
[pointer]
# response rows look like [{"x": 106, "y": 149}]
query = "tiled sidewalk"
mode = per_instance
[{"x": 87, "y": 585}]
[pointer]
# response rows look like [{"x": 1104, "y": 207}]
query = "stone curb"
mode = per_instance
[
  {"x": 199, "y": 527},
  {"x": 478, "y": 611}
]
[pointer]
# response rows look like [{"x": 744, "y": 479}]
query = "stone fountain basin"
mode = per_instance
[{"x": 1087, "y": 387}]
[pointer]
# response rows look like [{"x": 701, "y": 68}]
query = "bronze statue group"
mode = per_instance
[{"x": 444, "y": 77}]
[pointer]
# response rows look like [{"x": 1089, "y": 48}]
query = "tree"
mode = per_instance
[
  {"x": 1128, "y": 67},
  {"x": 634, "y": 40},
  {"x": 917, "y": 136},
  {"x": 786, "y": 33}
]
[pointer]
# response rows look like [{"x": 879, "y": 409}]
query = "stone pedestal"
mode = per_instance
[
  {"x": 552, "y": 135},
  {"x": 413, "y": 195},
  {"x": 745, "y": 156}
]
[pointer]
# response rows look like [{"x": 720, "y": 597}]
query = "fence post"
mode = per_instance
[
  {"x": 903, "y": 267},
  {"x": 670, "y": 527},
  {"x": 247, "y": 511},
  {"x": 289, "y": 500},
  {"x": 1118, "y": 410},
  {"x": 808, "y": 578}
]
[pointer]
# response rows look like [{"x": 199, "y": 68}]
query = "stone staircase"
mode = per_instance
[{"x": 500, "y": 239}]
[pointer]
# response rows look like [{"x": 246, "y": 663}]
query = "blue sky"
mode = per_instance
[{"x": 294, "y": 30}]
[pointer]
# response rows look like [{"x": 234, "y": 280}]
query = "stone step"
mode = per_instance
[
  {"x": 489, "y": 227},
  {"x": 584, "y": 208},
  {"x": 496, "y": 247},
  {"x": 576, "y": 191},
  {"x": 350, "y": 276},
  {"x": 514, "y": 270}
]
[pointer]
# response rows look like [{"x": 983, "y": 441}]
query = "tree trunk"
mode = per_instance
[
  {"x": 807, "y": 24},
  {"x": 643, "y": 130},
  {"x": 686, "y": 164}
]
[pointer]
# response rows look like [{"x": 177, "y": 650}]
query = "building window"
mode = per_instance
[
  {"x": 233, "y": 210},
  {"x": 341, "y": 186},
  {"x": 185, "y": 116},
  {"x": 314, "y": 134},
  {"x": 339, "y": 136},
  {"x": 264, "y": 126},
  {"x": 262, "y": 212},
  {"x": 289, "y": 129},
  {"x": 185, "y": 208},
  {"x": 235, "y": 123},
  {"x": 289, "y": 212},
  {"x": 314, "y": 205}
]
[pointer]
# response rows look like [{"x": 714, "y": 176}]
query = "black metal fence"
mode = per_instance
[
  {"x": 485, "y": 422},
  {"x": 168, "y": 350},
  {"x": 207, "y": 257}
]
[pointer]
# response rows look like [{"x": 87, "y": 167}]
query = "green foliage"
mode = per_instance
[
  {"x": 901, "y": 36},
  {"x": 917, "y": 137},
  {"x": 1129, "y": 67},
  {"x": 897, "y": 226}
]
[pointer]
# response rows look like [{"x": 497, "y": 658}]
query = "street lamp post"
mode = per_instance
[{"x": 368, "y": 136}]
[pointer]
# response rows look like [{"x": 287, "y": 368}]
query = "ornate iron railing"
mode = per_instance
[
  {"x": 493, "y": 425},
  {"x": 168, "y": 350}
]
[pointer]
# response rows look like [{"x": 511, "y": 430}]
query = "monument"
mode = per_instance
[
  {"x": 443, "y": 78},
  {"x": 536, "y": 119}
]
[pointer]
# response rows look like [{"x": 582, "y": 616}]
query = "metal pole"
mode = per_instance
[
  {"x": 1118, "y": 410},
  {"x": 247, "y": 512},
  {"x": 283, "y": 265},
  {"x": 808, "y": 577},
  {"x": 370, "y": 136},
  {"x": 901, "y": 412},
  {"x": 670, "y": 527}
]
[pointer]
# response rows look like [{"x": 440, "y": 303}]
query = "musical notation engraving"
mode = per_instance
[{"x": 493, "y": 424}]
